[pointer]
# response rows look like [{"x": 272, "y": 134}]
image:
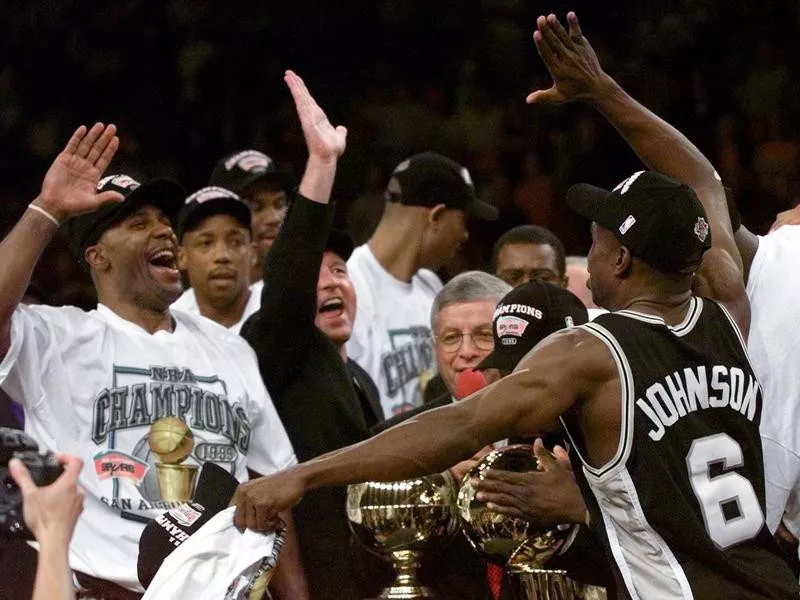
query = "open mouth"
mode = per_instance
[
  {"x": 164, "y": 258},
  {"x": 333, "y": 307}
]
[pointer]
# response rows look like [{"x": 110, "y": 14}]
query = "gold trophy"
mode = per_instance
[
  {"x": 400, "y": 520},
  {"x": 172, "y": 441},
  {"x": 518, "y": 545}
]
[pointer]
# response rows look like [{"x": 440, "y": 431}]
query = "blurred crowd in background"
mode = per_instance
[{"x": 188, "y": 81}]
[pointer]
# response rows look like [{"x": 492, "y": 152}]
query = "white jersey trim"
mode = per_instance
[
  {"x": 626, "y": 403},
  {"x": 682, "y": 328},
  {"x": 648, "y": 567}
]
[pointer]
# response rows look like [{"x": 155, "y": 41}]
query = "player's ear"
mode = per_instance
[
  {"x": 180, "y": 258},
  {"x": 624, "y": 262},
  {"x": 97, "y": 258},
  {"x": 436, "y": 213}
]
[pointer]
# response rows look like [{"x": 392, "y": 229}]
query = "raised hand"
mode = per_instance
[
  {"x": 787, "y": 217},
  {"x": 572, "y": 62},
  {"x": 259, "y": 502},
  {"x": 51, "y": 511},
  {"x": 70, "y": 185},
  {"x": 322, "y": 139}
]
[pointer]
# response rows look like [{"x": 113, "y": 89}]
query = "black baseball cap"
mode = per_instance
[
  {"x": 659, "y": 219},
  {"x": 85, "y": 230},
  {"x": 214, "y": 490},
  {"x": 428, "y": 179},
  {"x": 340, "y": 243},
  {"x": 238, "y": 170},
  {"x": 208, "y": 201},
  {"x": 527, "y": 315}
]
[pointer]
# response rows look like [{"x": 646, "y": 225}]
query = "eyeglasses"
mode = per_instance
[{"x": 452, "y": 340}]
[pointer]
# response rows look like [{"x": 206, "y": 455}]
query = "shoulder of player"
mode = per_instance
[{"x": 572, "y": 355}]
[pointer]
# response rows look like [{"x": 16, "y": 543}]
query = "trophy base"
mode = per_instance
[
  {"x": 541, "y": 584},
  {"x": 406, "y": 592}
]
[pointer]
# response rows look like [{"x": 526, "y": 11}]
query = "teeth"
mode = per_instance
[{"x": 332, "y": 302}]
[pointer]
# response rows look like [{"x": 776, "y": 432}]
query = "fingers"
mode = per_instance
[
  {"x": 562, "y": 457},
  {"x": 21, "y": 476},
  {"x": 108, "y": 153},
  {"x": 546, "y": 459},
  {"x": 72, "y": 144},
  {"x": 574, "y": 27},
  {"x": 72, "y": 465},
  {"x": 561, "y": 34},
  {"x": 543, "y": 47},
  {"x": 548, "y": 96},
  {"x": 305, "y": 103},
  {"x": 109, "y": 197},
  {"x": 511, "y": 511},
  {"x": 85, "y": 145},
  {"x": 102, "y": 143},
  {"x": 547, "y": 27}
]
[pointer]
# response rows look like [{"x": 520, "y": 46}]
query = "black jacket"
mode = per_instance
[{"x": 314, "y": 393}]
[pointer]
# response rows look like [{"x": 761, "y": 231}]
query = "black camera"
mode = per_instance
[{"x": 44, "y": 469}]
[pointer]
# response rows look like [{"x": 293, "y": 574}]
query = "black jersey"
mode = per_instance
[{"x": 681, "y": 505}]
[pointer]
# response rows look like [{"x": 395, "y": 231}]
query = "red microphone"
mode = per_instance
[{"x": 468, "y": 382}]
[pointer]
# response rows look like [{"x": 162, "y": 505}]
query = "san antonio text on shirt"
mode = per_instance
[
  {"x": 172, "y": 392},
  {"x": 684, "y": 392}
]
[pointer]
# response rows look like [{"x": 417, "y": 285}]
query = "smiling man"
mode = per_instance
[
  {"x": 217, "y": 253},
  {"x": 93, "y": 384}
]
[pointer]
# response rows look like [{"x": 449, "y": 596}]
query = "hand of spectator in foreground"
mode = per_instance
[
  {"x": 787, "y": 217},
  {"x": 324, "y": 141},
  {"x": 569, "y": 57},
  {"x": 51, "y": 511},
  {"x": 549, "y": 496},
  {"x": 70, "y": 185}
]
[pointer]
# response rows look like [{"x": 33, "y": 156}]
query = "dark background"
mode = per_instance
[{"x": 188, "y": 81}]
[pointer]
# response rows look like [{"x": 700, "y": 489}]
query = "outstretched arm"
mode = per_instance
[
  {"x": 69, "y": 189},
  {"x": 528, "y": 401},
  {"x": 577, "y": 75}
]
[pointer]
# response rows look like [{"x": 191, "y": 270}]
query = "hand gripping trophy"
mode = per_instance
[{"x": 172, "y": 441}]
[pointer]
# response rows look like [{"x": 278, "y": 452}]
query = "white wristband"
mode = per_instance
[{"x": 45, "y": 214}]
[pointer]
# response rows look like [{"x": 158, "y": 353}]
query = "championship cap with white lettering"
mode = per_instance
[
  {"x": 238, "y": 170},
  {"x": 215, "y": 488},
  {"x": 209, "y": 201},
  {"x": 660, "y": 220},
  {"x": 527, "y": 315},
  {"x": 429, "y": 179}
]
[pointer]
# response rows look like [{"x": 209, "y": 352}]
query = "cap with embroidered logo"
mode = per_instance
[
  {"x": 659, "y": 219},
  {"x": 85, "y": 230},
  {"x": 238, "y": 170},
  {"x": 527, "y": 315},
  {"x": 209, "y": 201}
]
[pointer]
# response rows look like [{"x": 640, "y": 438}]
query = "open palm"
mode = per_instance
[
  {"x": 70, "y": 185},
  {"x": 323, "y": 139}
]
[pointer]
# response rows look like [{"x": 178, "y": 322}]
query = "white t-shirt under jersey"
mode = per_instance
[
  {"x": 774, "y": 348},
  {"x": 93, "y": 383},
  {"x": 188, "y": 303},
  {"x": 392, "y": 335}
]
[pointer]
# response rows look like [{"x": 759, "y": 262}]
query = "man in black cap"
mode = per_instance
[
  {"x": 428, "y": 198},
  {"x": 325, "y": 400},
  {"x": 265, "y": 188},
  {"x": 98, "y": 384},
  {"x": 658, "y": 398},
  {"x": 216, "y": 253}
]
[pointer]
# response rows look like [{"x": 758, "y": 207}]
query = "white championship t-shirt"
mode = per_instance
[
  {"x": 774, "y": 348},
  {"x": 391, "y": 337},
  {"x": 93, "y": 383},
  {"x": 188, "y": 303}
]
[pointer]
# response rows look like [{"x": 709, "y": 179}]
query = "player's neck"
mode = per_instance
[
  {"x": 670, "y": 307},
  {"x": 398, "y": 254},
  {"x": 151, "y": 320},
  {"x": 227, "y": 315}
]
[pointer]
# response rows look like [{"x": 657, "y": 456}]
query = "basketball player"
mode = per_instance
[
  {"x": 658, "y": 397},
  {"x": 216, "y": 253},
  {"x": 94, "y": 384},
  {"x": 423, "y": 224},
  {"x": 265, "y": 187}
]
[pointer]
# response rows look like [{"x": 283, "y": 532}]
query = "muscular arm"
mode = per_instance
[
  {"x": 562, "y": 369},
  {"x": 577, "y": 75}
]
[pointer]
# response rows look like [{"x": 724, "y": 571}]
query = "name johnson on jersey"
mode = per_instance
[{"x": 684, "y": 392}]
